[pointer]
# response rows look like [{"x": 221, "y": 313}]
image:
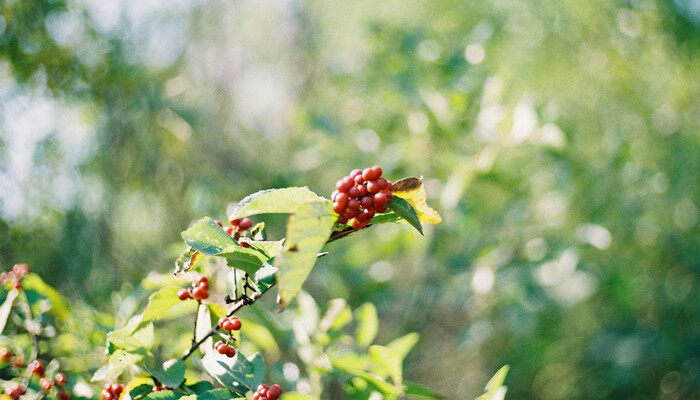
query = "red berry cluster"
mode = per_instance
[
  {"x": 225, "y": 348},
  {"x": 36, "y": 367},
  {"x": 360, "y": 195},
  {"x": 199, "y": 291},
  {"x": 14, "y": 277},
  {"x": 265, "y": 392},
  {"x": 230, "y": 323},
  {"x": 112, "y": 392},
  {"x": 238, "y": 225}
]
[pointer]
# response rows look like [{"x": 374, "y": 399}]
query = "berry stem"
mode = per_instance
[{"x": 237, "y": 305}]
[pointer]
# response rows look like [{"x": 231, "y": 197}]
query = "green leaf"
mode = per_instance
[
  {"x": 307, "y": 231},
  {"x": 160, "y": 302},
  {"x": 273, "y": 201},
  {"x": 337, "y": 316},
  {"x": 118, "y": 362},
  {"x": 169, "y": 395},
  {"x": 134, "y": 336},
  {"x": 208, "y": 237},
  {"x": 201, "y": 387},
  {"x": 270, "y": 247},
  {"x": 238, "y": 373},
  {"x": 349, "y": 361},
  {"x": 171, "y": 373},
  {"x": 494, "y": 388},
  {"x": 420, "y": 391},
  {"x": 265, "y": 277},
  {"x": 389, "y": 358},
  {"x": 367, "y": 324},
  {"x": 412, "y": 190},
  {"x": 140, "y": 391},
  {"x": 59, "y": 306},
  {"x": 186, "y": 260},
  {"x": 260, "y": 336},
  {"x": 7, "y": 307},
  {"x": 217, "y": 394},
  {"x": 379, "y": 384},
  {"x": 404, "y": 210}
]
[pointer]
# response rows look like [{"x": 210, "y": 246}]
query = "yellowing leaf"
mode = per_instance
[{"x": 412, "y": 190}]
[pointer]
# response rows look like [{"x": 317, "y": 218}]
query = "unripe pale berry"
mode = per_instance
[
  {"x": 45, "y": 384},
  {"x": 5, "y": 354},
  {"x": 61, "y": 379}
]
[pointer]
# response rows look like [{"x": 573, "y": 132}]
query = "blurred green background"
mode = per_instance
[{"x": 559, "y": 140}]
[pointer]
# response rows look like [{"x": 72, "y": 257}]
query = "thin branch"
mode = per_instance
[
  {"x": 30, "y": 324},
  {"x": 240, "y": 303},
  {"x": 196, "y": 320}
]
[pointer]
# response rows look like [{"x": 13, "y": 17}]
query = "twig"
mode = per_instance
[
  {"x": 240, "y": 303},
  {"x": 196, "y": 319},
  {"x": 30, "y": 325}
]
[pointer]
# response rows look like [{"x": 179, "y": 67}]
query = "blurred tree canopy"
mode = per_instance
[{"x": 558, "y": 139}]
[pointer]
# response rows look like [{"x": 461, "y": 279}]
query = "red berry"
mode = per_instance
[
  {"x": 230, "y": 230},
  {"x": 342, "y": 199},
  {"x": 36, "y": 367},
  {"x": 105, "y": 394},
  {"x": 5, "y": 354},
  {"x": 200, "y": 293},
  {"x": 117, "y": 388},
  {"x": 63, "y": 395},
  {"x": 16, "y": 390},
  {"x": 18, "y": 361},
  {"x": 183, "y": 294},
  {"x": 379, "y": 199},
  {"x": 219, "y": 223},
  {"x": 61, "y": 379},
  {"x": 337, "y": 207},
  {"x": 383, "y": 184},
  {"x": 367, "y": 202},
  {"x": 45, "y": 384},
  {"x": 354, "y": 192},
  {"x": 274, "y": 392},
  {"x": 373, "y": 187},
  {"x": 230, "y": 351},
  {"x": 20, "y": 270},
  {"x": 256, "y": 396},
  {"x": 380, "y": 208},
  {"x": 359, "y": 179},
  {"x": 334, "y": 195},
  {"x": 202, "y": 279},
  {"x": 17, "y": 285},
  {"x": 362, "y": 190},
  {"x": 342, "y": 219},
  {"x": 353, "y": 205},
  {"x": 235, "y": 323},
  {"x": 389, "y": 196},
  {"x": 262, "y": 389},
  {"x": 234, "y": 222},
  {"x": 344, "y": 185},
  {"x": 355, "y": 172},
  {"x": 367, "y": 213},
  {"x": 204, "y": 285},
  {"x": 244, "y": 243},
  {"x": 221, "y": 323},
  {"x": 245, "y": 224},
  {"x": 227, "y": 325}
]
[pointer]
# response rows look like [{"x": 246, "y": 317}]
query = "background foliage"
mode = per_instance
[{"x": 559, "y": 139}]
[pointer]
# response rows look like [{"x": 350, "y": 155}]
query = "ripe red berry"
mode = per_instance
[
  {"x": 383, "y": 184},
  {"x": 183, "y": 294},
  {"x": 200, "y": 293},
  {"x": 105, "y": 394},
  {"x": 219, "y": 223},
  {"x": 245, "y": 224},
  {"x": 230, "y": 230},
  {"x": 344, "y": 185},
  {"x": 16, "y": 390},
  {"x": 353, "y": 205},
  {"x": 235, "y": 323},
  {"x": 342, "y": 219},
  {"x": 202, "y": 279},
  {"x": 274, "y": 392},
  {"x": 337, "y": 207},
  {"x": 262, "y": 389},
  {"x": 116, "y": 388},
  {"x": 373, "y": 187},
  {"x": 356, "y": 172},
  {"x": 354, "y": 192},
  {"x": 63, "y": 395},
  {"x": 235, "y": 222},
  {"x": 342, "y": 199},
  {"x": 45, "y": 384},
  {"x": 366, "y": 202},
  {"x": 61, "y": 379},
  {"x": 367, "y": 214},
  {"x": 220, "y": 347},
  {"x": 244, "y": 243},
  {"x": 358, "y": 179},
  {"x": 230, "y": 351},
  {"x": 36, "y": 367},
  {"x": 5, "y": 354}
]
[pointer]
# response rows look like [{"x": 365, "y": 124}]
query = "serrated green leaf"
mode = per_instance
[
  {"x": 139, "y": 391},
  {"x": 160, "y": 302},
  {"x": 307, "y": 231},
  {"x": 420, "y": 391},
  {"x": 367, "y": 324},
  {"x": 134, "y": 336},
  {"x": 169, "y": 395},
  {"x": 201, "y": 387},
  {"x": 7, "y": 307},
  {"x": 171, "y": 373},
  {"x": 404, "y": 210},
  {"x": 266, "y": 277},
  {"x": 270, "y": 247},
  {"x": 217, "y": 394},
  {"x": 238, "y": 373},
  {"x": 273, "y": 201},
  {"x": 118, "y": 362}
]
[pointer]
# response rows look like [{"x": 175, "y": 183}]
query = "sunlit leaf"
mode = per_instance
[
  {"x": 185, "y": 261},
  {"x": 133, "y": 336},
  {"x": 494, "y": 388},
  {"x": 171, "y": 373},
  {"x": 160, "y": 302},
  {"x": 420, "y": 391},
  {"x": 307, "y": 231},
  {"x": 389, "y": 358},
  {"x": 403, "y": 209},
  {"x": 118, "y": 362},
  {"x": 273, "y": 201},
  {"x": 7, "y": 307},
  {"x": 367, "y": 324},
  {"x": 59, "y": 306},
  {"x": 337, "y": 315},
  {"x": 412, "y": 190}
]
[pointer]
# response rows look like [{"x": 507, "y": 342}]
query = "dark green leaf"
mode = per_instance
[
  {"x": 140, "y": 391},
  {"x": 169, "y": 395},
  {"x": 216, "y": 394},
  {"x": 273, "y": 201},
  {"x": 265, "y": 277},
  {"x": 404, "y": 210},
  {"x": 307, "y": 231},
  {"x": 238, "y": 373},
  {"x": 171, "y": 373},
  {"x": 201, "y": 387}
]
